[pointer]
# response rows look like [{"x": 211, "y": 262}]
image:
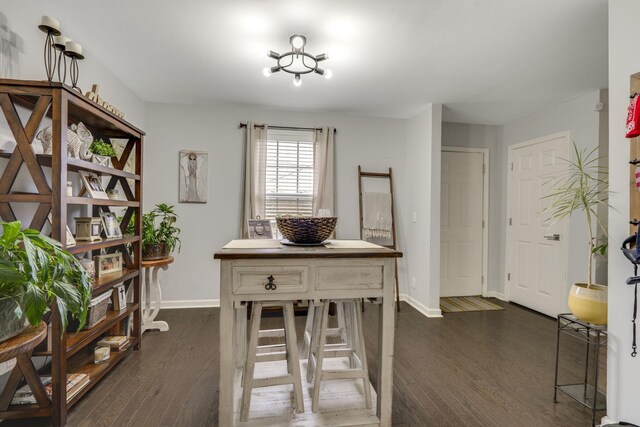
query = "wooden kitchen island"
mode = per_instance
[{"x": 304, "y": 273}]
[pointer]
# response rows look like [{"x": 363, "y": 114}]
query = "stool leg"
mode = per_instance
[
  {"x": 249, "y": 367},
  {"x": 308, "y": 330},
  {"x": 351, "y": 332},
  {"x": 313, "y": 346},
  {"x": 319, "y": 356},
  {"x": 362, "y": 355},
  {"x": 293, "y": 362}
]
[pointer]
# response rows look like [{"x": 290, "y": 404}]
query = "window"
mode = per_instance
[{"x": 289, "y": 173}]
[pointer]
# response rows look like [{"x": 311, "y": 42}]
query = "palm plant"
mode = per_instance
[
  {"x": 582, "y": 188},
  {"x": 36, "y": 270}
]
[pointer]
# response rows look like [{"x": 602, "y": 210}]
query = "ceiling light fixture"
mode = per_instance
[{"x": 297, "y": 62}]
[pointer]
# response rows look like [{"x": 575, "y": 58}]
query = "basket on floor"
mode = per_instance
[{"x": 306, "y": 229}]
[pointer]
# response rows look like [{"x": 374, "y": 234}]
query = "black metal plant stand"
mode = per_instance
[{"x": 593, "y": 335}]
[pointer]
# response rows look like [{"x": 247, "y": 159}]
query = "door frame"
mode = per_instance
[
  {"x": 485, "y": 208},
  {"x": 565, "y": 228}
]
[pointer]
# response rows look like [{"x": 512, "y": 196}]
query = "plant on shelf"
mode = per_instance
[
  {"x": 159, "y": 238},
  {"x": 582, "y": 189},
  {"x": 35, "y": 272},
  {"x": 102, "y": 151}
]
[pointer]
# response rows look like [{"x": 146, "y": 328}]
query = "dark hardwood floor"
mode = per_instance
[{"x": 492, "y": 368}]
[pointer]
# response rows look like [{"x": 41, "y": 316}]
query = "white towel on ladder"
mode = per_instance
[{"x": 376, "y": 215}]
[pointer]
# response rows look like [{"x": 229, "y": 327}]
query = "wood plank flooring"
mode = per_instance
[{"x": 491, "y": 368}]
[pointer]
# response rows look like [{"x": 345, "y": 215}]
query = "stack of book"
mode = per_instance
[
  {"x": 75, "y": 383},
  {"x": 115, "y": 342}
]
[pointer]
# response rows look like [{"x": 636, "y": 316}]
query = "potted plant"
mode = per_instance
[
  {"x": 36, "y": 272},
  {"x": 583, "y": 188},
  {"x": 159, "y": 238},
  {"x": 102, "y": 152}
]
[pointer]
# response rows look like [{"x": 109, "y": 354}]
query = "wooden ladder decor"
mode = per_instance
[{"x": 392, "y": 245}]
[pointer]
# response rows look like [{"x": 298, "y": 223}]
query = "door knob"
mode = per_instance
[{"x": 555, "y": 237}]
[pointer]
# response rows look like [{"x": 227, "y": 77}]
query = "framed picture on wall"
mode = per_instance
[{"x": 193, "y": 186}]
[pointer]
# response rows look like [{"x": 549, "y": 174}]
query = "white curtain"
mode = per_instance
[
  {"x": 254, "y": 175},
  {"x": 323, "y": 171}
]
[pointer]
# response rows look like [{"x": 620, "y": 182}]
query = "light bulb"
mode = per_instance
[
  {"x": 297, "y": 81},
  {"x": 328, "y": 74},
  {"x": 266, "y": 71},
  {"x": 297, "y": 42}
]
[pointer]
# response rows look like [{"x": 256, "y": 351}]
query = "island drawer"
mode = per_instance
[
  {"x": 270, "y": 279},
  {"x": 349, "y": 277}
]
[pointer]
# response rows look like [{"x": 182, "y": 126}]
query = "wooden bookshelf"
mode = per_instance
[{"x": 72, "y": 352}]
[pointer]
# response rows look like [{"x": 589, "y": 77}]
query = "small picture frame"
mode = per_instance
[
  {"x": 119, "y": 297},
  {"x": 93, "y": 185},
  {"x": 71, "y": 241},
  {"x": 107, "y": 264},
  {"x": 111, "y": 225},
  {"x": 260, "y": 229}
]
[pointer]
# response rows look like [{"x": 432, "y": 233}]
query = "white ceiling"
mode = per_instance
[{"x": 487, "y": 61}]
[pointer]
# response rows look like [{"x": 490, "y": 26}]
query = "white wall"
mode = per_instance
[
  {"x": 424, "y": 133},
  {"x": 21, "y": 49},
  {"x": 623, "y": 371},
  {"x": 580, "y": 118},
  {"x": 490, "y": 137},
  {"x": 193, "y": 279}
]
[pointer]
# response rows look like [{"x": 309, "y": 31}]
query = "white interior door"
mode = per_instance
[
  {"x": 461, "y": 222},
  {"x": 536, "y": 256}
]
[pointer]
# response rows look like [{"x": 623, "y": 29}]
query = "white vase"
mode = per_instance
[
  {"x": 589, "y": 304},
  {"x": 102, "y": 160}
]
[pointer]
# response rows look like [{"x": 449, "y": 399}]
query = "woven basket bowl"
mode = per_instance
[{"x": 306, "y": 229}]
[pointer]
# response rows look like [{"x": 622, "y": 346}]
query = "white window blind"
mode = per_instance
[{"x": 289, "y": 173}]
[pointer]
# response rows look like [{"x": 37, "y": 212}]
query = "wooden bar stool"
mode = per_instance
[
  {"x": 270, "y": 353},
  {"x": 353, "y": 348},
  {"x": 344, "y": 331}
]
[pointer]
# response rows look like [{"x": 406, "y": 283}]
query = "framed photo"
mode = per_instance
[
  {"x": 260, "y": 229},
  {"x": 111, "y": 225},
  {"x": 193, "y": 176},
  {"x": 119, "y": 297},
  {"x": 110, "y": 263},
  {"x": 93, "y": 185},
  {"x": 71, "y": 241}
]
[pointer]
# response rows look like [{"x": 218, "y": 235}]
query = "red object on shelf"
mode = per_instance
[{"x": 633, "y": 117}]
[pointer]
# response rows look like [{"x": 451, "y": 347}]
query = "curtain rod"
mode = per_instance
[{"x": 244, "y": 125}]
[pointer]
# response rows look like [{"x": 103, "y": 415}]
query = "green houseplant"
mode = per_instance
[
  {"x": 583, "y": 188},
  {"x": 160, "y": 236},
  {"x": 102, "y": 152},
  {"x": 36, "y": 272}
]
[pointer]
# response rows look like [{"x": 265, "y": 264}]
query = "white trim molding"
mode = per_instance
[
  {"x": 606, "y": 421},
  {"x": 196, "y": 303},
  {"x": 496, "y": 294},
  {"x": 428, "y": 312}
]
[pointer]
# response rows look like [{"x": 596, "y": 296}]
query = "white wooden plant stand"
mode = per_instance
[{"x": 151, "y": 269}]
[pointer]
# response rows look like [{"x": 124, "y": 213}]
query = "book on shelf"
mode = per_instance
[
  {"x": 75, "y": 383},
  {"x": 116, "y": 342}
]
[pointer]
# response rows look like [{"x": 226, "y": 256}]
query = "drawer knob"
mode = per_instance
[{"x": 270, "y": 286}]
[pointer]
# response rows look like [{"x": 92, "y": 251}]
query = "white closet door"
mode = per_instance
[{"x": 461, "y": 248}]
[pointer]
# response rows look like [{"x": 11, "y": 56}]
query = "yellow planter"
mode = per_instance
[{"x": 589, "y": 304}]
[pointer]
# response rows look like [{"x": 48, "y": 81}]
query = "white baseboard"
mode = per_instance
[
  {"x": 429, "y": 312},
  {"x": 606, "y": 420},
  {"x": 196, "y": 303},
  {"x": 496, "y": 294}
]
